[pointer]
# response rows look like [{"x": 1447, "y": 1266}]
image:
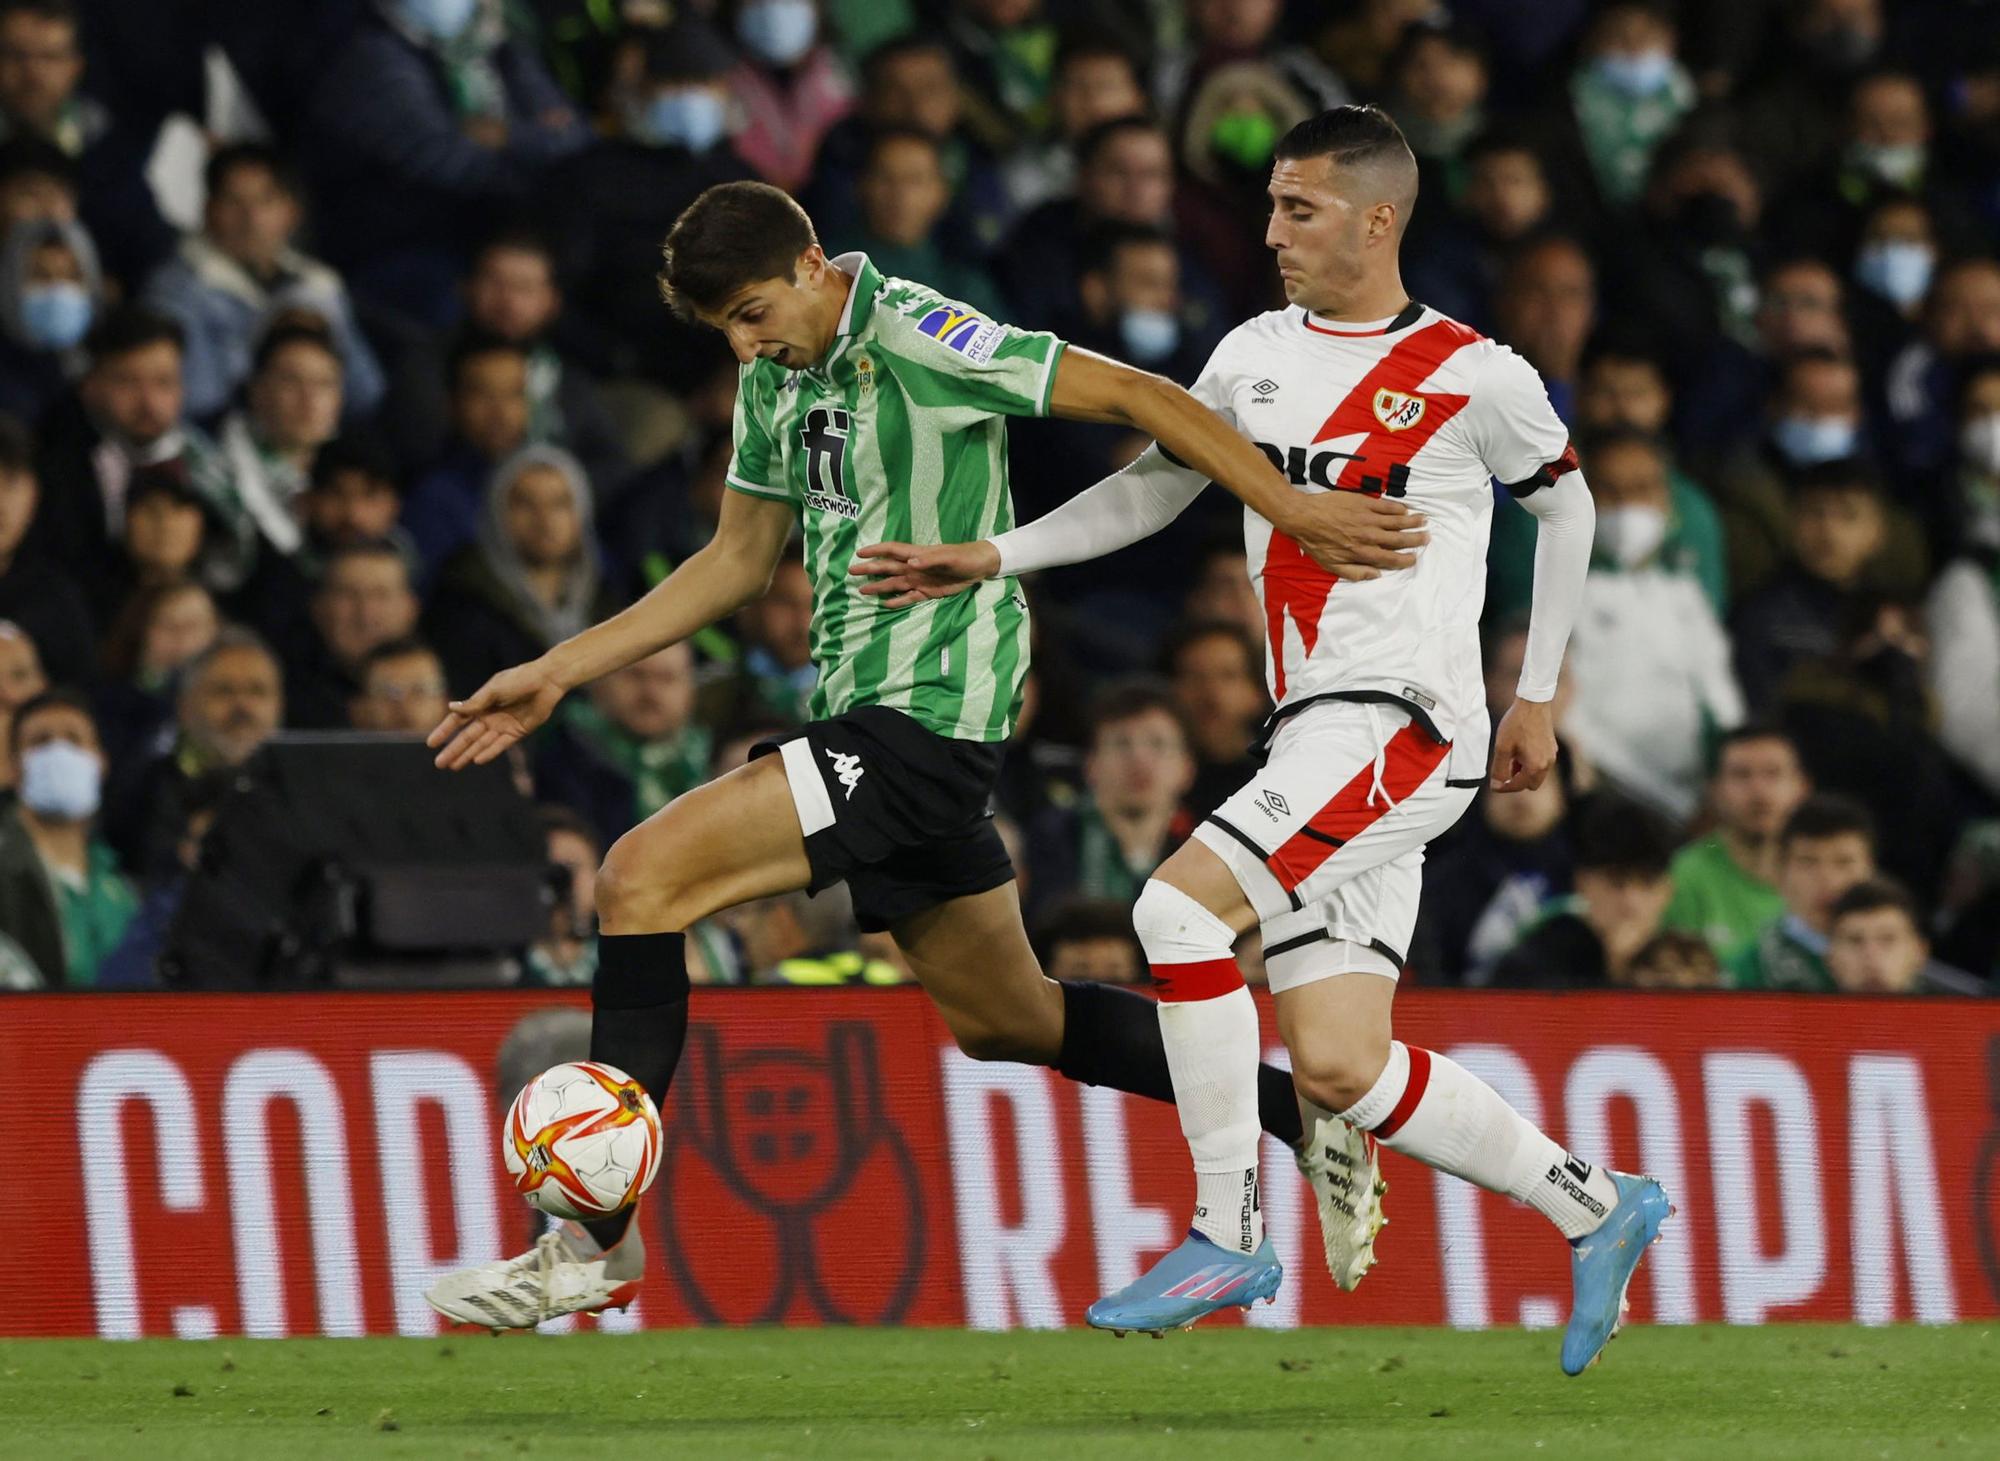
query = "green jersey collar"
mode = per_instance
[{"x": 860, "y": 306}]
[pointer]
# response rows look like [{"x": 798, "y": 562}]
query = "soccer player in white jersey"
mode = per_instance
[{"x": 1378, "y": 743}]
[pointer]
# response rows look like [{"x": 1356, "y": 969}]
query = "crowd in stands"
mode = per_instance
[{"x": 334, "y": 378}]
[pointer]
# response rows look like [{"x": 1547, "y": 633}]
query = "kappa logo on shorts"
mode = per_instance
[{"x": 848, "y": 770}]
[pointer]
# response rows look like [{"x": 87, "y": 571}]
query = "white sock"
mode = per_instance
[
  {"x": 1208, "y": 1024},
  {"x": 1432, "y": 1108}
]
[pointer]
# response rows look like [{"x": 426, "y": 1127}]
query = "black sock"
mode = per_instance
[
  {"x": 639, "y": 1021},
  {"x": 1111, "y": 1037}
]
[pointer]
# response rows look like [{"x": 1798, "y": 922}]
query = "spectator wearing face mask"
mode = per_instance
[
  {"x": 1801, "y": 311},
  {"x": 1815, "y": 422},
  {"x": 1794, "y": 118},
  {"x": 1876, "y": 945},
  {"x": 1894, "y": 262},
  {"x": 231, "y": 280},
  {"x": 50, "y": 292},
  {"x": 41, "y": 72},
  {"x": 675, "y": 125},
  {"x": 903, "y": 194},
  {"x": 1626, "y": 97},
  {"x": 36, "y": 594},
  {"x": 430, "y": 122},
  {"x": 1649, "y": 657},
  {"x": 1961, "y": 324},
  {"x": 529, "y": 579},
  {"x": 1622, "y": 389},
  {"x": 790, "y": 88},
  {"x": 63, "y": 899}
]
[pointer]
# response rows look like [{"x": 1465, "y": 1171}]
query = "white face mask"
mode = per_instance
[
  {"x": 1631, "y": 534},
  {"x": 1979, "y": 443},
  {"x": 61, "y": 781}
]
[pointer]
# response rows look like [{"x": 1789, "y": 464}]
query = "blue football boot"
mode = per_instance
[
  {"x": 1189, "y": 1283},
  {"x": 1601, "y": 1267}
]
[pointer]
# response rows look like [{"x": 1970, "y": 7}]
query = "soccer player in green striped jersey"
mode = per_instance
[{"x": 867, "y": 409}]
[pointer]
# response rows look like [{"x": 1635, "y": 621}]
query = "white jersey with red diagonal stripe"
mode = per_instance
[{"x": 1424, "y": 410}]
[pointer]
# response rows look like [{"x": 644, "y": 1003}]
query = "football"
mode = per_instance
[{"x": 583, "y": 1140}]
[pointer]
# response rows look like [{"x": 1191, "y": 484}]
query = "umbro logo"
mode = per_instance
[
  {"x": 1273, "y": 806},
  {"x": 847, "y": 769},
  {"x": 1265, "y": 389}
]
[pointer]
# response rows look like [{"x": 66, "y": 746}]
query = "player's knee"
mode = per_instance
[
  {"x": 1337, "y": 1075},
  {"x": 638, "y": 893}
]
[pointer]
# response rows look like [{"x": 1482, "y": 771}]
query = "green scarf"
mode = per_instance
[
  {"x": 1102, "y": 871},
  {"x": 660, "y": 770},
  {"x": 1620, "y": 133}
]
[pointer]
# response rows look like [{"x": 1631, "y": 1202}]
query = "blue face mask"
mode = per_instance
[
  {"x": 61, "y": 781},
  {"x": 691, "y": 117},
  {"x": 1899, "y": 271},
  {"x": 1806, "y": 441},
  {"x": 1635, "y": 76},
  {"x": 441, "y": 20},
  {"x": 778, "y": 31},
  {"x": 55, "y": 316},
  {"x": 1149, "y": 334}
]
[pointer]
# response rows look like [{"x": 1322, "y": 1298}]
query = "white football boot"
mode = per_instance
[
  {"x": 564, "y": 1273},
  {"x": 1339, "y": 1161}
]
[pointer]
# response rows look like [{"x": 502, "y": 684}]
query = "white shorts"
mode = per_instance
[{"x": 1327, "y": 840}]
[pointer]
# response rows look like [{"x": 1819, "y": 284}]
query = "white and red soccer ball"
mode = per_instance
[{"x": 583, "y": 1140}]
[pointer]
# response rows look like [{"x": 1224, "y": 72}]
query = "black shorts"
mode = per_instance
[{"x": 901, "y": 814}]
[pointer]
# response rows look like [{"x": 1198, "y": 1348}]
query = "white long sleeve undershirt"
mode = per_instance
[
  {"x": 1565, "y": 525},
  {"x": 1114, "y": 513}
]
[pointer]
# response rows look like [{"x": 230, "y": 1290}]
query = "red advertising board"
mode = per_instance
[{"x": 300, "y": 1164}]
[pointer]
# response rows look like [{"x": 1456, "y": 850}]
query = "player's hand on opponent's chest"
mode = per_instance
[
  {"x": 909, "y": 573},
  {"x": 1355, "y": 536}
]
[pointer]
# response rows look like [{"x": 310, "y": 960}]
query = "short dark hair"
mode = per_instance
[
  {"x": 1130, "y": 698},
  {"x": 373, "y": 548},
  {"x": 732, "y": 235},
  {"x": 1870, "y": 895},
  {"x": 17, "y": 447},
  {"x": 133, "y": 327},
  {"x": 284, "y": 336},
  {"x": 237, "y": 155},
  {"x": 352, "y": 452},
  {"x": 475, "y": 344},
  {"x": 1091, "y": 43},
  {"x": 1095, "y": 139},
  {"x": 62, "y": 10},
  {"x": 1102, "y": 243},
  {"x": 914, "y": 43},
  {"x": 1749, "y": 733},
  {"x": 1185, "y": 636},
  {"x": 516, "y": 238},
  {"x": 1075, "y": 919},
  {"x": 880, "y": 137},
  {"x": 55, "y": 697},
  {"x": 1352, "y": 136},
  {"x": 1616, "y": 835},
  {"x": 408, "y": 647},
  {"x": 1610, "y": 438},
  {"x": 1825, "y": 815},
  {"x": 1847, "y": 474}
]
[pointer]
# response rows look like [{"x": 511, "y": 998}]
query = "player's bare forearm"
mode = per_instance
[
  {"x": 1351, "y": 534},
  {"x": 731, "y": 570}
]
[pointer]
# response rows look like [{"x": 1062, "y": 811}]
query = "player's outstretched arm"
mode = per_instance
[
  {"x": 734, "y": 567},
  {"x": 1347, "y": 533}
]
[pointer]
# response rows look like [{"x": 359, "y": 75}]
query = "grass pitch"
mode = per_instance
[{"x": 1806, "y": 1391}]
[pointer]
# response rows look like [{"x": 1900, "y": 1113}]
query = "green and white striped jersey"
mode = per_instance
[{"x": 898, "y": 435}]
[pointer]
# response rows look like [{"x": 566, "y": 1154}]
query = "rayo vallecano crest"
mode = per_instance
[{"x": 1397, "y": 411}]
